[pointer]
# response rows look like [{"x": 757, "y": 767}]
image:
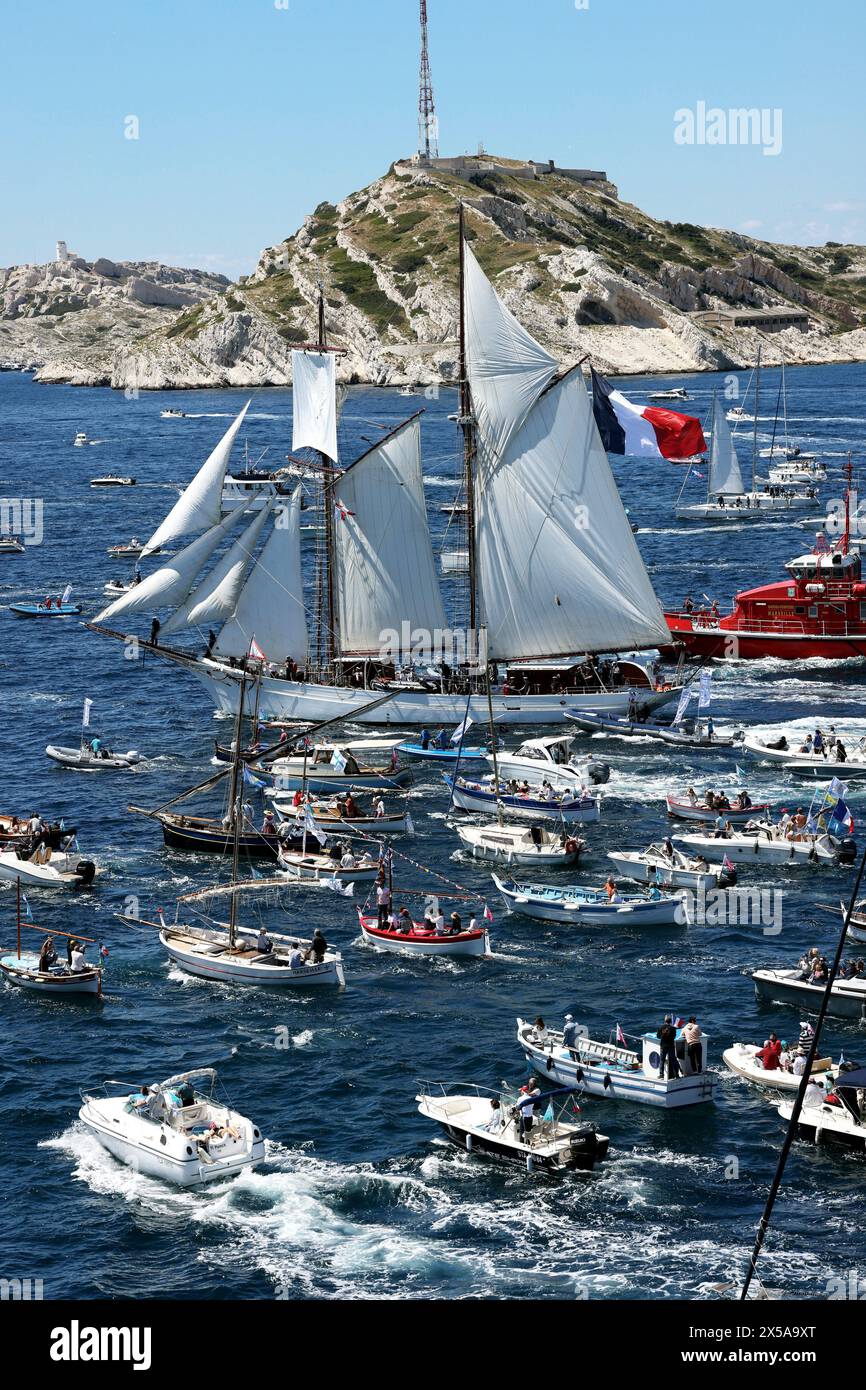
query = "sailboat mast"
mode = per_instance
[
  {"x": 467, "y": 424},
  {"x": 327, "y": 617},
  {"x": 236, "y": 820},
  {"x": 18, "y": 912},
  {"x": 755, "y": 426},
  {"x": 492, "y": 726}
]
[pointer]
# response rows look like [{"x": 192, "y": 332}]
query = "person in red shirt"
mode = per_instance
[{"x": 769, "y": 1054}]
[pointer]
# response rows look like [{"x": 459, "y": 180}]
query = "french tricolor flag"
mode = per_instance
[{"x": 643, "y": 431}]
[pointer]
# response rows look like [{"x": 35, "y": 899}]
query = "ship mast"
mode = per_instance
[
  {"x": 326, "y": 606},
  {"x": 236, "y": 811},
  {"x": 467, "y": 424},
  {"x": 755, "y": 426}
]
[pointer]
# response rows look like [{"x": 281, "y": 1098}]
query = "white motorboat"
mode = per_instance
[
  {"x": 115, "y": 587},
  {"x": 172, "y": 414},
  {"x": 795, "y": 472},
  {"x": 128, "y": 550},
  {"x": 487, "y": 1121},
  {"x": 796, "y": 755},
  {"x": 683, "y": 808},
  {"x": 615, "y": 1072},
  {"x": 743, "y": 1059},
  {"x": 83, "y": 758},
  {"x": 47, "y": 868},
  {"x": 769, "y": 844},
  {"x": 422, "y": 941},
  {"x": 173, "y": 1130},
  {"x": 672, "y": 870},
  {"x": 80, "y": 439},
  {"x": 339, "y": 767},
  {"x": 787, "y": 986},
  {"x": 590, "y": 907},
  {"x": 11, "y": 545},
  {"x": 112, "y": 480},
  {"x": 314, "y": 868},
  {"x": 550, "y": 759},
  {"x": 833, "y": 1113},
  {"x": 738, "y": 415},
  {"x": 535, "y": 804},
  {"x": 676, "y": 393},
  {"x": 519, "y": 844}
]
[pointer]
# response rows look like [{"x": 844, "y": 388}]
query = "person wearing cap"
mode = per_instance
[
  {"x": 667, "y": 1036},
  {"x": 569, "y": 1035},
  {"x": 693, "y": 1034}
]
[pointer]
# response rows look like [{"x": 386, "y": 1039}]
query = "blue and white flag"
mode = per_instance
[
  {"x": 67, "y": 594},
  {"x": 410, "y": 824},
  {"x": 311, "y": 826},
  {"x": 27, "y": 912},
  {"x": 462, "y": 728},
  {"x": 251, "y": 780},
  {"x": 338, "y": 759}
]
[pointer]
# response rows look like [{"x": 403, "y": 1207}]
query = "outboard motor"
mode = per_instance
[
  {"x": 847, "y": 851},
  {"x": 727, "y": 877},
  {"x": 85, "y": 870},
  {"x": 597, "y": 773}
]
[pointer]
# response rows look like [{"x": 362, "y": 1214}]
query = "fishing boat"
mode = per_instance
[
  {"x": 303, "y": 866},
  {"x": 487, "y": 1121},
  {"x": 698, "y": 738},
  {"x": 520, "y": 844},
  {"x": 422, "y": 940},
  {"x": 231, "y": 955},
  {"x": 44, "y": 867},
  {"x": 112, "y": 480},
  {"x": 590, "y": 907},
  {"x": 332, "y": 816},
  {"x": 24, "y": 968},
  {"x": 683, "y": 808},
  {"x": 817, "y": 611},
  {"x": 330, "y": 767},
  {"x": 787, "y": 986},
  {"x": 617, "y": 1072},
  {"x": 83, "y": 758},
  {"x": 768, "y": 843},
  {"x": 529, "y": 435},
  {"x": 49, "y": 608},
  {"x": 11, "y": 545},
  {"x": 550, "y": 759},
  {"x": 570, "y": 808},
  {"x": 174, "y": 1130},
  {"x": 727, "y": 497},
  {"x": 671, "y": 868},
  {"x": 213, "y": 835},
  {"x": 836, "y": 1117},
  {"x": 743, "y": 1058}
]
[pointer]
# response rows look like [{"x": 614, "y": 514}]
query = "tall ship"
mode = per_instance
[
  {"x": 554, "y": 579},
  {"x": 818, "y": 610}
]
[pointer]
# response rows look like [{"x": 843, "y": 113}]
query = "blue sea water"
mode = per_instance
[{"x": 359, "y": 1197}]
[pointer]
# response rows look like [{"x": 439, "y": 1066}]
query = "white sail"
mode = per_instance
[
  {"x": 199, "y": 505},
  {"x": 213, "y": 600},
  {"x": 507, "y": 368},
  {"x": 723, "y": 473},
  {"x": 559, "y": 569},
  {"x": 314, "y": 402},
  {"x": 386, "y": 576},
  {"x": 171, "y": 583},
  {"x": 271, "y": 603}
]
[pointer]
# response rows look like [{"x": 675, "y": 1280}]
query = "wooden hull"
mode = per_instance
[
  {"x": 219, "y": 965},
  {"x": 24, "y": 972},
  {"x": 466, "y": 944}
]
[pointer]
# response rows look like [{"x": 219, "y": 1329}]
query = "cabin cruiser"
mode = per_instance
[
  {"x": 666, "y": 865},
  {"x": 591, "y": 907},
  {"x": 676, "y": 393},
  {"x": 176, "y": 1130},
  {"x": 745, "y": 1060},
  {"x": 80, "y": 439},
  {"x": 519, "y": 844},
  {"x": 552, "y": 759},
  {"x": 129, "y": 550},
  {"x": 524, "y": 802},
  {"x": 765, "y": 842},
  {"x": 489, "y": 1121},
  {"x": 618, "y": 1072},
  {"x": 44, "y": 867},
  {"x": 112, "y": 480},
  {"x": 11, "y": 545},
  {"x": 172, "y": 414},
  {"x": 834, "y": 1113}
]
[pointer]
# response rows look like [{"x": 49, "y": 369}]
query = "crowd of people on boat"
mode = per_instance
[
  {"x": 814, "y": 968},
  {"x": 75, "y": 961},
  {"x": 391, "y": 918},
  {"x": 828, "y": 746}
]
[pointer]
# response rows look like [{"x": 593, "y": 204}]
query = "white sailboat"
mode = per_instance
[
  {"x": 727, "y": 497},
  {"x": 545, "y": 586}
]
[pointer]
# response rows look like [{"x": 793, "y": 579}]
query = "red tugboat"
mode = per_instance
[{"x": 820, "y": 610}]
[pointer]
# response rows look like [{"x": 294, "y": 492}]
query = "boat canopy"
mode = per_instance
[{"x": 197, "y": 1074}]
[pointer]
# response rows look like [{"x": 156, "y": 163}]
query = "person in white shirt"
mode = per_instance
[
  {"x": 440, "y": 924},
  {"x": 380, "y": 808},
  {"x": 77, "y": 962},
  {"x": 799, "y": 1064},
  {"x": 296, "y": 959},
  {"x": 526, "y": 1109},
  {"x": 539, "y": 1029},
  {"x": 814, "y": 1095},
  {"x": 383, "y": 903},
  {"x": 494, "y": 1124},
  {"x": 348, "y": 860},
  {"x": 394, "y": 920}
]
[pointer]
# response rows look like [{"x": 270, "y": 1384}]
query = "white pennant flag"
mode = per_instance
[
  {"x": 67, "y": 594},
  {"x": 685, "y": 696},
  {"x": 88, "y": 705}
]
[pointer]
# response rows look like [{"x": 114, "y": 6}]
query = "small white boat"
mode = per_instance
[
  {"x": 172, "y": 414},
  {"x": 787, "y": 986},
  {"x": 129, "y": 550},
  {"x": 330, "y": 817},
  {"x": 174, "y": 1131},
  {"x": 46, "y": 868},
  {"x": 738, "y": 415},
  {"x": 676, "y": 393},
  {"x": 841, "y": 1120},
  {"x": 673, "y": 870},
  {"x": 487, "y": 1121},
  {"x": 561, "y": 805},
  {"x": 590, "y": 907},
  {"x": 421, "y": 941},
  {"x": 83, "y": 759},
  {"x": 80, "y": 439},
  {"x": 210, "y": 954},
  {"x": 519, "y": 844},
  {"x": 682, "y": 808},
  {"x": 796, "y": 755},
  {"x": 338, "y": 767},
  {"x": 551, "y": 759},
  {"x": 112, "y": 480},
  {"x": 313, "y": 868},
  {"x": 11, "y": 545},
  {"x": 769, "y": 844},
  {"x": 743, "y": 1059},
  {"x": 615, "y": 1072},
  {"x": 115, "y": 587},
  {"x": 406, "y": 391},
  {"x": 454, "y": 561}
]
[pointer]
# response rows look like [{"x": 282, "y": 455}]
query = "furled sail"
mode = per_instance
[
  {"x": 314, "y": 402},
  {"x": 387, "y": 588},
  {"x": 558, "y": 566},
  {"x": 507, "y": 368},
  {"x": 724, "y": 469},
  {"x": 200, "y": 504},
  {"x": 214, "y": 598},
  {"x": 171, "y": 583},
  {"x": 271, "y": 603}
]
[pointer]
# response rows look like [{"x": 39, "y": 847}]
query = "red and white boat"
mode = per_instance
[
  {"x": 683, "y": 808},
  {"x": 422, "y": 942},
  {"x": 819, "y": 610}
]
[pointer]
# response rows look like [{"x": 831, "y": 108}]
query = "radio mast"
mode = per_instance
[{"x": 428, "y": 143}]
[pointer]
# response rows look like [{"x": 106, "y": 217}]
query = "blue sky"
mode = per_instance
[{"x": 251, "y": 114}]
